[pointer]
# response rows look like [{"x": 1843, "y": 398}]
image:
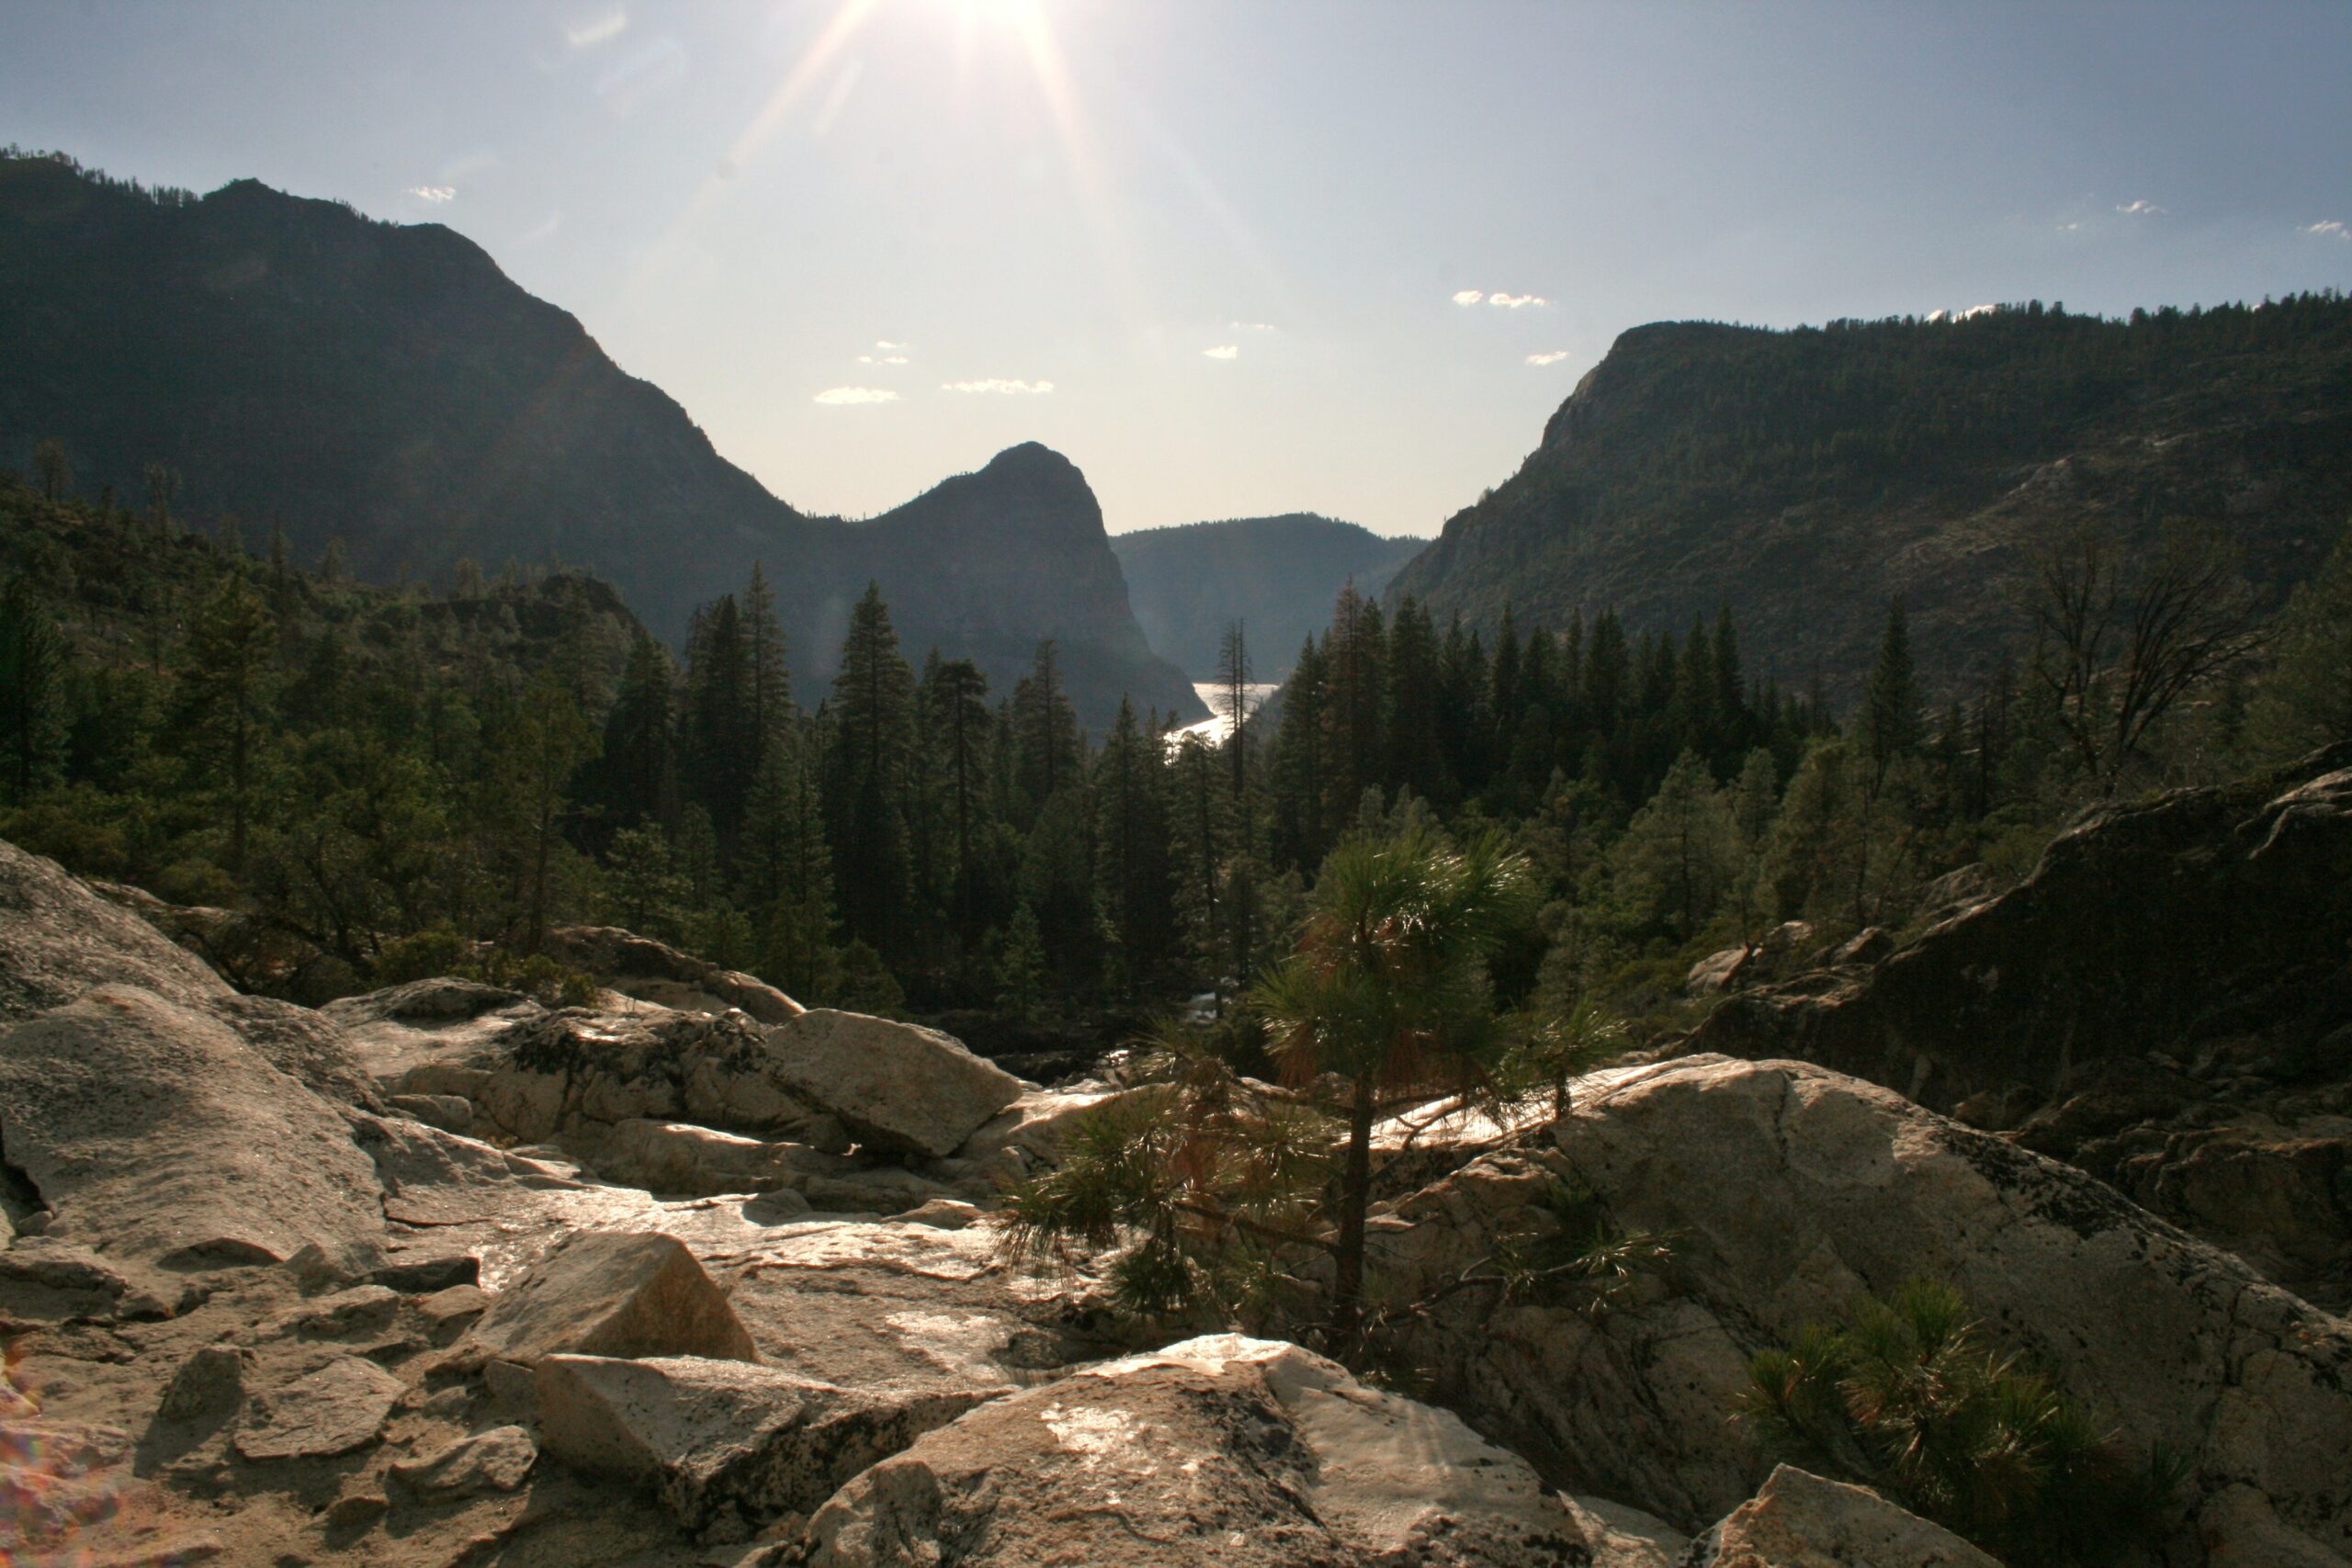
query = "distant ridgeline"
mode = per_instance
[
  {"x": 1804, "y": 478},
  {"x": 1275, "y": 575},
  {"x": 387, "y": 387}
]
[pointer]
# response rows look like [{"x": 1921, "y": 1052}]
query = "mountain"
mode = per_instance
[
  {"x": 1807, "y": 477},
  {"x": 988, "y": 563},
  {"x": 386, "y": 386},
  {"x": 1277, "y": 575}
]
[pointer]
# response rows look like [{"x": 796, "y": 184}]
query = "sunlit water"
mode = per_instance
[{"x": 1213, "y": 729}]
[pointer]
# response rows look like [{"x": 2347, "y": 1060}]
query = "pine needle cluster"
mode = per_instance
[{"x": 1909, "y": 1396}]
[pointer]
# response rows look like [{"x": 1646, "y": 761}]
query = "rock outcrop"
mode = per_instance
[
  {"x": 253, "y": 1311},
  {"x": 1785, "y": 1190},
  {"x": 655, "y": 972},
  {"x": 2165, "y": 1001},
  {"x": 1799, "y": 1520},
  {"x": 1217, "y": 1450},
  {"x": 58, "y": 940},
  {"x": 727, "y": 1447},
  {"x": 903, "y": 1087},
  {"x": 155, "y": 1134},
  {"x": 611, "y": 1294}
]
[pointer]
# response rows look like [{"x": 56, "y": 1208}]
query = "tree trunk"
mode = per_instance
[{"x": 1356, "y": 1197}]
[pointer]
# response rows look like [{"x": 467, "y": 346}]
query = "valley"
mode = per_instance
[{"x": 604, "y": 975}]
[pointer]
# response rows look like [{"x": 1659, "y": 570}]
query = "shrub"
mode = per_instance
[
  {"x": 421, "y": 955},
  {"x": 439, "y": 949},
  {"x": 1908, "y": 1397}
]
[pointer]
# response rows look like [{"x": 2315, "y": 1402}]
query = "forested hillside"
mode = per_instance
[
  {"x": 1808, "y": 478},
  {"x": 1274, "y": 575},
  {"x": 385, "y": 390},
  {"x": 395, "y": 776}
]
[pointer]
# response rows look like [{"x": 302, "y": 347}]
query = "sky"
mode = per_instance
[{"x": 1232, "y": 258}]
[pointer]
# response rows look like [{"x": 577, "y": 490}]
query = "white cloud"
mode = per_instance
[
  {"x": 2329, "y": 227},
  {"x": 997, "y": 384},
  {"x": 2142, "y": 207},
  {"x": 602, "y": 29},
  {"x": 1551, "y": 357},
  {"x": 1468, "y": 295},
  {"x": 1516, "y": 301},
  {"x": 886, "y": 346},
  {"x": 1977, "y": 311},
  {"x": 882, "y": 359},
  {"x": 434, "y": 194},
  {"x": 837, "y": 397},
  {"x": 2070, "y": 227},
  {"x": 1251, "y": 326},
  {"x": 1224, "y": 351}
]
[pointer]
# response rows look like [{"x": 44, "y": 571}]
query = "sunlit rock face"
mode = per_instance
[
  {"x": 1222, "y": 1449},
  {"x": 1783, "y": 1191}
]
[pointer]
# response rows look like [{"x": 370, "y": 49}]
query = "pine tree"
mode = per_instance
[
  {"x": 869, "y": 761},
  {"x": 1606, "y": 700},
  {"x": 35, "y": 723},
  {"x": 1131, "y": 839},
  {"x": 639, "y": 784},
  {"x": 224, "y": 691},
  {"x": 1888, "y": 725},
  {"x": 1233, "y": 678},
  {"x": 1059, "y": 888},
  {"x": 771, "y": 676},
  {"x": 1681, "y": 851},
  {"x": 56, "y": 473},
  {"x": 550, "y": 741},
  {"x": 1735, "y": 723},
  {"x": 1503, "y": 694},
  {"x": 721, "y": 719},
  {"x": 956, "y": 691},
  {"x": 795, "y": 869},
  {"x": 1755, "y": 801},
  {"x": 1020, "y": 966},
  {"x": 1045, "y": 729},
  {"x": 1200, "y": 812},
  {"x": 1416, "y": 756},
  {"x": 1695, "y": 692},
  {"x": 1461, "y": 715},
  {"x": 1353, "y": 735},
  {"x": 645, "y": 890},
  {"x": 163, "y": 484},
  {"x": 1299, "y": 833},
  {"x": 1527, "y": 762},
  {"x": 1388, "y": 989},
  {"x": 2306, "y": 697}
]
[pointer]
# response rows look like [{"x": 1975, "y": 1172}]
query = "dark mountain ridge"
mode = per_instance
[
  {"x": 386, "y": 386},
  {"x": 1807, "y": 477},
  {"x": 1276, "y": 575}
]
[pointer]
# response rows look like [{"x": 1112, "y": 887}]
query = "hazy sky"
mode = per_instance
[{"x": 1212, "y": 251}]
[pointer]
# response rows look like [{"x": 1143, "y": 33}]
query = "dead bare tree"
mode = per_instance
[{"x": 2119, "y": 640}]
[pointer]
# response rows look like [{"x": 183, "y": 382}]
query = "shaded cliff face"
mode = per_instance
[
  {"x": 2191, "y": 920},
  {"x": 1807, "y": 477},
  {"x": 1276, "y": 575},
  {"x": 389, "y": 386},
  {"x": 2163, "y": 1003}
]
